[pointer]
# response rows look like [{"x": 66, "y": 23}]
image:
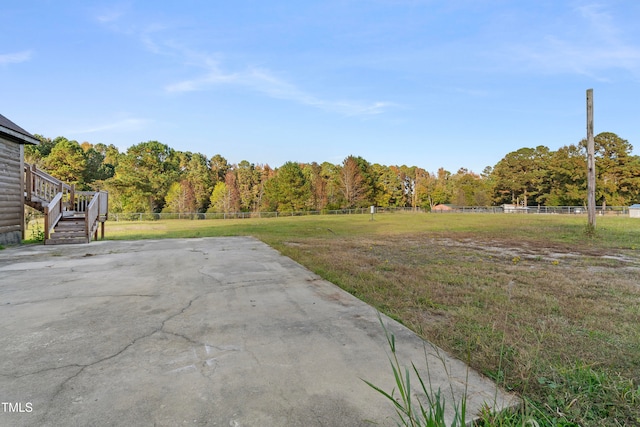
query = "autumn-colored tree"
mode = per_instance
[
  {"x": 469, "y": 189},
  {"x": 151, "y": 176},
  {"x": 331, "y": 176},
  {"x": 388, "y": 185},
  {"x": 247, "y": 183},
  {"x": 317, "y": 186},
  {"x": 352, "y": 183},
  {"x": 180, "y": 198},
  {"x": 220, "y": 198},
  {"x": 425, "y": 186},
  {"x": 232, "y": 202},
  {"x": 265, "y": 173},
  {"x": 110, "y": 154},
  {"x": 195, "y": 170},
  {"x": 440, "y": 191}
]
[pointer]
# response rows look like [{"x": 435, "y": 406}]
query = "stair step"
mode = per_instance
[
  {"x": 71, "y": 220},
  {"x": 66, "y": 241},
  {"x": 69, "y": 230},
  {"x": 67, "y": 235},
  {"x": 69, "y": 226}
]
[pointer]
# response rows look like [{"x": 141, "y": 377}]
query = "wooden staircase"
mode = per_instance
[
  {"x": 69, "y": 216},
  {"x": 68, "y": 230}
]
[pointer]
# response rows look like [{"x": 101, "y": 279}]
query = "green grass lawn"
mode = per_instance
[
  {"x": 530, "y": 300},
  {"x": 613, "y": 231}
]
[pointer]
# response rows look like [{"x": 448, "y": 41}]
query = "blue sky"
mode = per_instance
[{"x": 431, "y": 83}]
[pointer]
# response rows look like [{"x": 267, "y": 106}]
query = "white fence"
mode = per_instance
[{"x": 571, "y": 210}]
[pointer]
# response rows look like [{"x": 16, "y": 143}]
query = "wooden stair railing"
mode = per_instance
[
  {"x": 52, "y": 214},
  {"x": 41, "y": 188},
  {"x": 96, "y": 213},
  {"x": 58, "y": 201}
]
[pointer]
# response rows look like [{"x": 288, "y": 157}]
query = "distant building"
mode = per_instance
[
  {"x": 12, "y": 141},
  {"x": 634, "y": 211},
  {"x": 441, "y": 208},
  {"x": 507, "y": 208}
]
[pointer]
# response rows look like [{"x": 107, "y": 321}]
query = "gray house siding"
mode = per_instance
[
  {"x": 11, "y": 197},
  {"x": 12, "y": 140}
]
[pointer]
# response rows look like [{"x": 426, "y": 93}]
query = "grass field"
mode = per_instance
[{"x": 530, "y": 300}]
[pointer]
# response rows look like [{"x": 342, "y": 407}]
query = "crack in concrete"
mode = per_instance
[
  {"x": 184, "y": 337},
  {"x": 245, "y": 283},
  {"x": 73, "y": 365},
  {"x": 211, "y": 363},
  {"x": 82, "y": 368},
  {"x": 81, "y": 296},
  {"x": 207, "y": 362},
  {"x": 202, "y": 251}
]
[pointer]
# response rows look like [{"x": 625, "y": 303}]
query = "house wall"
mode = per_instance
[
  {"x": 634, "y": 212},
  {"x": 11, "y": 192}
]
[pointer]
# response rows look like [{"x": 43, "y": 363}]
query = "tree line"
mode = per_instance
[{"x": 153, "y": 177}]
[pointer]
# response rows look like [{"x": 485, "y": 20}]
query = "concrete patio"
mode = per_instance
[{"x": 215, "y": 331}]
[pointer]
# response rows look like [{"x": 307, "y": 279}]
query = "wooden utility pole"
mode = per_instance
[{"x": 591, "y": 164}]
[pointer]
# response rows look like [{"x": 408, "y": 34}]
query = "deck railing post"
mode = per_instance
[
  {"x": 46, "y": 223},
  {"x": 27, "y": 182},
  {"x": 72, "y": 198},
  {"x": 33, "y": 173},
  {"x": 87, "y": 233}
]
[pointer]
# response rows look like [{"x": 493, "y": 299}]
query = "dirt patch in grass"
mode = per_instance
[{"x": 528, "y": 313}]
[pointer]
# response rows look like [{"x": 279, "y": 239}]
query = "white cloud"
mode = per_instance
[
  {"x": 112, "y": 13},
  {"x": 600, "y": 21},
  {"x": 589, "y": 48},
  {"x": 109, "y": 16},
  {"x": 260, "y": 80},
  {"x": 15, "y": 58},
  {"x": 212, "y": 77},
  {"x": 266, "y": 82}
]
